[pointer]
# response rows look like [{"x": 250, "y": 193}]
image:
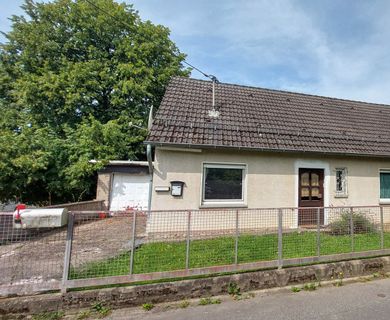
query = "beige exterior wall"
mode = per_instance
[
  {"x": 103, "y": 188},
  {"x": 271, "y": 180}
]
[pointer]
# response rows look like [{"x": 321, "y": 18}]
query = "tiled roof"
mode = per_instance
[{"x": 263, "y": 119}]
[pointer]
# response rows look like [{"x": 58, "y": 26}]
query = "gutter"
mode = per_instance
[{"x": 239, "y": 148}]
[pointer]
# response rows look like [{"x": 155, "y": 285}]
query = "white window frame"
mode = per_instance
[
  {"x": 224, "y": 202},
  {"x": 343, "y": 193},
  {"x": 382, "y": 200}
]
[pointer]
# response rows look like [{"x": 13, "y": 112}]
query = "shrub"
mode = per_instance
[{"x": 342, "y": 226}]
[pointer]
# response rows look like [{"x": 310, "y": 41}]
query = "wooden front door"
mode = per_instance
[{"x": 311, "y": 195}]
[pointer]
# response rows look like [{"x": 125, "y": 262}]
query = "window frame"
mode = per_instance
[
  {"x": 382, "y": 200},
  {"x": 224, "y": 202},
  {"x": 342, "y": 193}
]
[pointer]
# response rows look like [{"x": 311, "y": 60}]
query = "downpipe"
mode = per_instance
[{"x": 150, "y": 163}]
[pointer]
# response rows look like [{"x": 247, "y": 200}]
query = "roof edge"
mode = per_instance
[
  {"x": 290, "y": 151},
  {"x": 129, "y": 163}
]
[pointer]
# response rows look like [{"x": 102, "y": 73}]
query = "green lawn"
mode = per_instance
[{"x": 167, "y": 256}]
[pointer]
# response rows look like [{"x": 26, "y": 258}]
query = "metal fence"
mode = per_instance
[{"x": 101, "y": 248}]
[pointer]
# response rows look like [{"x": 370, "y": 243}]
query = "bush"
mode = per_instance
[{"x": 361, "y": 224}]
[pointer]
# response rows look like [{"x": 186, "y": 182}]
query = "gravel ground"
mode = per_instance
[{"x": 40, "y": 258}]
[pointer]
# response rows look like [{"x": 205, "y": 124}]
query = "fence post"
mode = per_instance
[
  {"x": 318, "y": 233},
  {"x": 188, "y": 240},
  {"x": 68, "y": 252},
  {"x": 382, "y": 229},
  {"x": 132, "y": 244},
  {"x": 280, "y": 238},
  {"x": 352, "y": 232},
  {"x": 236, "y": 241}
]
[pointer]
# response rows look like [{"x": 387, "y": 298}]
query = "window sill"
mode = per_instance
[
  {"x": 384, "y": 201},
  {"x": 341, "y": 195},
  {"x": 223, "y": 205}
]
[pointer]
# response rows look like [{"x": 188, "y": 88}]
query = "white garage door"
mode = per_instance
[{"x": 129, "y": 192}]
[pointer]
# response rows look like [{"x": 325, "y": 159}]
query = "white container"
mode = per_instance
[{"x": 40, "y": 218}]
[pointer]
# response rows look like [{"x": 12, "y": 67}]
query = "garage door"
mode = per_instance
[{"x": 129, "y": 191}]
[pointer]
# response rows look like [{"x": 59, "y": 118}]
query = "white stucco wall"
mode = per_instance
[
  {"x": 271, "y": 182},
  {"x": 272, "y": 179}
]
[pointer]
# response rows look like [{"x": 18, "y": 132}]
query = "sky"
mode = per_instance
[{"x": 331, "y": 48}]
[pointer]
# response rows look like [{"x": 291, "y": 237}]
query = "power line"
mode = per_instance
[{"x": 210, "y": 76}]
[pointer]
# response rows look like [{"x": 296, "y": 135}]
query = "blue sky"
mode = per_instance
[{"x": 333, "y": 48}]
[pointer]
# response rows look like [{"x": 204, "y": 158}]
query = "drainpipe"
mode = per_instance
[{"x": 150, "y": 162}]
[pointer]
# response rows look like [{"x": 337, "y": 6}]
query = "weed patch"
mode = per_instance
[
  {"x": 207, "y": 301},
  {"x": 148, "y": 306}
]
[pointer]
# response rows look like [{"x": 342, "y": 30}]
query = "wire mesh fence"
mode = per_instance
[
  {"x": 30, "y": 256},
  {"x": 160, "y": 244}
]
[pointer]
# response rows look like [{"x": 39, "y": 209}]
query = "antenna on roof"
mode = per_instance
[{"x": 213, "y": 113}]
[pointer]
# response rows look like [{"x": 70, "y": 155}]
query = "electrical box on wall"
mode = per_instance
[{"x": 177, "y": 188}]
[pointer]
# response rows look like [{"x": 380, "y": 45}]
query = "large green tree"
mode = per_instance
[{"x": 73, "y": 76}]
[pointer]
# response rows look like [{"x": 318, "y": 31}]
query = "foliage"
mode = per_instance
[
  {"x": 309, "y": 287},
  {"x": 207, "y": 301},
  {"x": 84, "y": 315},
  {"x": 148, "y": 306},
  {"x": 55, "y": 315},
  {"x": 184, "y": 304},
  {"x": 101, "y": 309},
  {"x": 72, "y": 78},
  {"x": 361, "y": 224},
  {"x": 234, "y": 289},
  {"x": 295, "y": 289}
]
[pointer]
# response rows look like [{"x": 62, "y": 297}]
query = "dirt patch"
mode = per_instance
[{"x": 40, "y": 258}]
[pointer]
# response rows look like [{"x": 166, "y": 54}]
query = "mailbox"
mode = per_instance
[
  {"x": 177, "y": 188},
  {"x": 40, "y": 218}
]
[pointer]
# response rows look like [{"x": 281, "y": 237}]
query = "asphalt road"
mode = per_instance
[{"x": 368, "y": 300}]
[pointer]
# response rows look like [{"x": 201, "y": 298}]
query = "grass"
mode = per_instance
[{"x": 167, "y": 256}]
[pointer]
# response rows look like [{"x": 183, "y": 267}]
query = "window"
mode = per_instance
[
  {"x": 223, "y": 183},
  {"x": 385, "y": 184},
  {"x": 341, "y": 182}
]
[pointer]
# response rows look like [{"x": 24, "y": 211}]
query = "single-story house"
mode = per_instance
[{"x": 261, "y": 148}]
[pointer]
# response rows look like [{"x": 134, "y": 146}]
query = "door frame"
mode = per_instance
[
  {"x": 321, "y": 174},
  {"x": 312, "y": 164},
  {"x": 306, "y": 215}
]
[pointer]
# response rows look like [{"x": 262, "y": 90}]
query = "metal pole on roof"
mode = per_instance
[
  {"x": 214, "y": 81},
  {"x": 213, "y": 95}
]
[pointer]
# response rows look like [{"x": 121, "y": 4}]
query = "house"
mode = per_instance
[{"x": 261, "y": 148}]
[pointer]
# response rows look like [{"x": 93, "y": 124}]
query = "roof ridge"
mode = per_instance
[{"x": 285, "y": 91}]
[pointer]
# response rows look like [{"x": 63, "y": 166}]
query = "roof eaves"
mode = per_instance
[{"x": 208, "y": 146}]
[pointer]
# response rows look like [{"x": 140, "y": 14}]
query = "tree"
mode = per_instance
[{"x": 72, "y": 78}]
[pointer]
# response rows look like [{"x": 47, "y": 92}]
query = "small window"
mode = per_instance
[
  {"x": 223, "y": 183},
  {"x": 341, "y": 182},
  {"x": 385, "y": 184}
]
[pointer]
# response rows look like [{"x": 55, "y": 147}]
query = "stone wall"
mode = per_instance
[{"x": 187, "y": 289}]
